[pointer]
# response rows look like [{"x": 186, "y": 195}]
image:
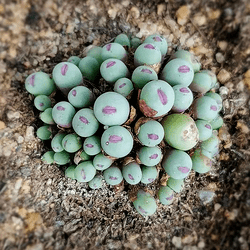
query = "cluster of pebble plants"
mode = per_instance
[{"x": 128, "y": 114}]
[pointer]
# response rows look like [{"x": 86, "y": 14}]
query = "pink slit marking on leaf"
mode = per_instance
[
  {"x": 208, "y": 126},
  {"x": 149, "y": 46},
  {"x": 184, "y": 69},
  {"x": 60, "y": 108},
  {"x": 153, "y": 156},
  {"x": 142, "y": 210},
  {"x": 122, "y": 85},
  {"x": 83, "y": 119},
  {"x": 130, "y": 177},
  {"x": 64, "y": 69},
  {"x": 108, "y": 110},
  {"x": 146, "y": 71},
  {"x": 151, "y": 179},
  {"x": 110, "y": 64},
  {"x": 108, "y": 47},
  {"x": 213, "y": 107},
  {"x": 32, "y": 80},
  {"x": 100, "y": 166},
  {"x": 162, "y": 96},
  {"x": 157, "y": 39},
  {"x": 170, "y": 197},
  {"x": 89, "y": 145},
  {"x": 83, "y": 174},
  {"x": 112, "y": 178},
  {"x": 184, "y": 170},
  {"x": 153, "y": 136},
  {"x": 74, "y": 92},
  {"x": 41, "y": 104},
  {"x": 115, "y": 139},
  {"x": 184, "y": 90}
]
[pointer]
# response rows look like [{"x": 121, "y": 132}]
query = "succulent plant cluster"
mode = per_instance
[{"x": 153, "y": 119}]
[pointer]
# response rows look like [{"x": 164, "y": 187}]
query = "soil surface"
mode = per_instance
[{"x": 41, "y": 209}]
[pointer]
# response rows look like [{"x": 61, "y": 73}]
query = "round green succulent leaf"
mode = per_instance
[
  {"x": 39, "y": 83},
  {"x": 175, "y": 184},
  {"x": 96, "y": 182},
  {"x": 48, "y": 157},
  {"x": 166, "y": 195},
  {"x": 70, "y": 172},
  {"x": 85, "y": 171},
  {"x": 92, "y": 145},
  {"x": 183, "y": 98},
  {"x": 61, "y": 158},
  {"x": 178, "y": 72},
  {"x": 63, "y": 113},
  {"x": 150, "y": 156},
  {"x": 56, "y": 142},
  {"x": 117, "y": 141},
  {"x": 44, "y": 132},
  {"x": 145, "y": 203},
  {"x": 132, "y": 173},
  {"x": 113, "y": 175},
  {"x": 156, "y": 99},
  {"x": 85, "y": 123},
  {"x": 102, "y": 162},
  {"x": 177, "y": 164},
  {"x": 123, "y": 86},
  {"x": 180, "y": 131},
  {"x": 71, "y": 143},
  {"x": 111, "y": 109},
  {"x": 42, "y": 102},
  {"x": 149, "y": 174}
]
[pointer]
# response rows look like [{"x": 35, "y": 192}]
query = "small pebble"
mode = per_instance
[
  {"x": 223, "y": 76},
  {"x": 219, "y": 57},
  {"x": 183, "y": 14},
  {"x": 206, "y": 196}
]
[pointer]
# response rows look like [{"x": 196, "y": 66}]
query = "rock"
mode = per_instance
[
  {"x": 183, "y": 14},
  {"x": 29, "y": 133},
  {"x": 2, "y": 125},
  {"x": 200, "y": 19},
  {"x": 206, "y": 196},
  {"x": 177, "y": 242},
  {"x": 13, "y": 115},
  {"x": 222, "y": 45},
  {"x": 223, "y": 76},
  {"x": 219, "y": 57}
]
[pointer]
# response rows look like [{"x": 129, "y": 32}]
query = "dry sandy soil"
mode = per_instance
[{"x": 41, "y": 209}]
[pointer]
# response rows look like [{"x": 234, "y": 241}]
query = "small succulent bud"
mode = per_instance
[
  {"x": 205, "y": 108},
  {"x": 123, "y": 86},
  {"x": 201, "y": 163},
  {"x": 42, "y": 102},
  {"x": 177, "y": 164},
  {"x": 44, "y": 132},
  {"x": 176, "y": 185},
  {"x": 132, "y": 173},
  {"x": 149, "y": 174},
  {"x": 85, "y": 123},
  {"x": 92, "y": 145},
  {"x": 89, "y": 67},
  {"x": 142, "y": 75},
  {"x": 102, "y": 162},
  {"x": 205, "y": 129},
  {"x": 114, "y": 50},
  {"x": 71, "y": 143},
  {"x": 111, "y": 109},
  {"x": 67, "y": 76},
  {"x": 180, "y": 131},
  {"x": 96, "y": 182},
  {"x": 150, "y": 156},
  {"x": 85, "y": 171},
  {"x": 63, "y": 113},
  {"x": 166, "y": 195},
  {"x": 145, "y": 203},
  {"x": 183, "y": 98},
  {"x": 123, "y": 40},
  {"x": 61, "y": 158},
  {"x": 117, "y": 141},
  {"x": 74, "y": 59},
  {"x": 81, "y": 97},
  {"x": 178, "y": 72},
  {"x": 113, "y": 69},
  {"x": 56, "y": 142},
  {"x": 188, "y": 56},
  {"x": 46, "y": 116},
  {"x": 70, "y": 172},
  {"x": 48, "y": 157},
  {"x": 113, "y": 175},
  {"x": 39, "y": 83}
]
